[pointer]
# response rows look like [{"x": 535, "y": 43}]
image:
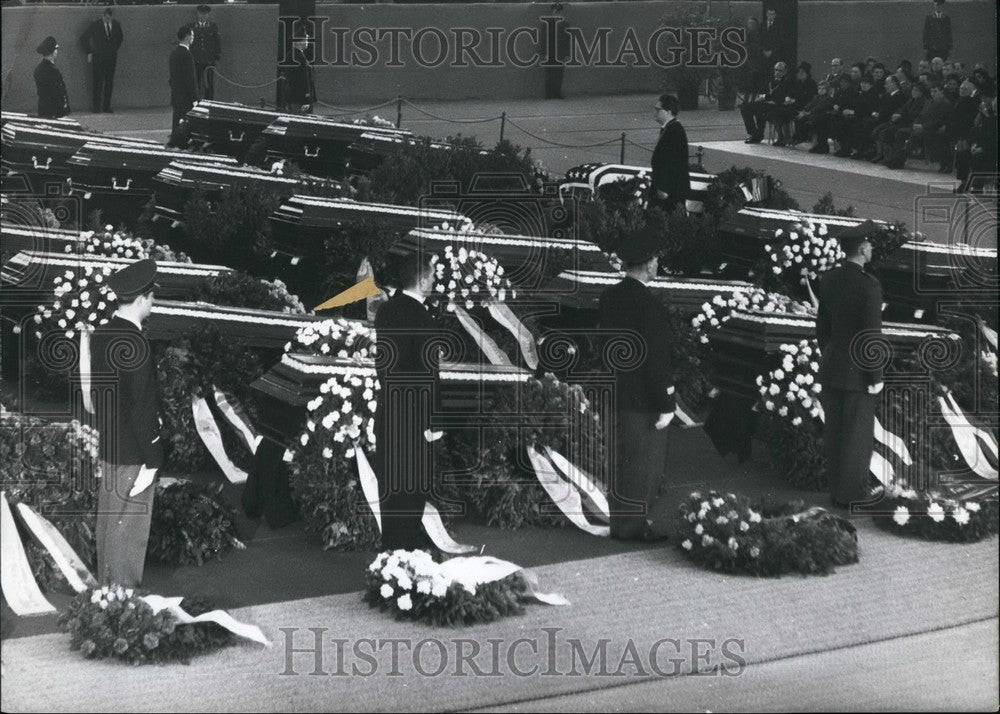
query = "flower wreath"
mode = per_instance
[
  {"x": 935, "y": 516},
  {"x": 340, "y": 337},
  {"x": 411, "y": 586},
  {"x": 116, "y": 622},
  {"x": 725, "y": 532},
  {"x": 806, "y": 250},
  {"x": 720, "y": 309},
  {"x": 469, "y": 277}
]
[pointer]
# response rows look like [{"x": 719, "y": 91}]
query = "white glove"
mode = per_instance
[
  {"x": 875, "y": 388},
  {"x": 143, "y": 481},
  {"x": 664, "y": 421},
  {"x": 432, "y": 436}
]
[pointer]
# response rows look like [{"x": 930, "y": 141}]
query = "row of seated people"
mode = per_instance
[{"x": 882, "y": 117}]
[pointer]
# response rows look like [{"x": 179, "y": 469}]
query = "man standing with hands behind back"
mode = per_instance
[
  {"x": 849, "y": 318},
  {"x": 103, "y": 39},
  {"x": 937, "y": 33},
  {"x": 207, "y": 49},
  {"x": 670, "y": 181},
  {"x": 644, "y": 389},
  {"x": 183, "y": 85},
  {"x": 126, "y": 412}
]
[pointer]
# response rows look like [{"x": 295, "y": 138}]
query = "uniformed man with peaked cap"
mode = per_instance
[
  {"x": 126, "y": 411},
  {"x": 644, "y": 387},
  {"x": 848, "y": 321}
]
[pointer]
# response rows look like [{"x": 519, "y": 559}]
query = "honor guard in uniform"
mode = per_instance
[
  {"x": 53, "y": 102},
  {"x": 849, "y": 318},
  {"x": 644, "y": 388},
  {"x": 126, "y": 411},
  {"x": 300, "y": 84},
  {"x": 207, "y": 50},
  {"x": 407, "y": 366}
]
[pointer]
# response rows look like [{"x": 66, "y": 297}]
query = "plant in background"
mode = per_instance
[
  {"x": 825, "y": 207},
  {"x": 237, "y": 289},
  {"x": 728, "y": 193},
  {"x": 233, "y": 230},
  {"x": 191, "y": 525}
]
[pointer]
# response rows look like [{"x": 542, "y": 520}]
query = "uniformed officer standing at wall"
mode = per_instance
[
  {"x": 207, "y": 50},
  {"x": 53, "y": 102},
  {"x": 644, "y": 388},
  {"x": 126, "y": 409},
  {"x": 849, "y": 318}
]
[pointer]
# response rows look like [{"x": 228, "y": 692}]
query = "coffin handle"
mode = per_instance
[
  {"x": 116, "y": 187},
  {"x": 45, "y": 166},
  {"x": 237, "y": 139},
  {"x": 310, "y": 154}
]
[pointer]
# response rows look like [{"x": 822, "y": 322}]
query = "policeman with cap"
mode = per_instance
[
  {"x": 126, "y": 412},
  {"x": 644, "y": 387},
  {"x": 849, "y": 320},
  {"x": 53, "y": 101}
]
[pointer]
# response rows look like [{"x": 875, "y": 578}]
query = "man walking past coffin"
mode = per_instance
[
  {"x": 207, "y": 50},
  {"x": 670, "y": 181},
  {"x": 407, "y": 366},
  {"x": 644, "y": 389},
  {"x": 126, "y": 410},
  {"x": 103, "y": 39},
  {"x": 848, "y": 320},
  {"x": 937, "y": 33},
  {"x": 183, "y": 85},
  {"x": 53, "y": 102}
]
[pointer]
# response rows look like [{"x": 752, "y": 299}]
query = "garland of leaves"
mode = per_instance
[
  {"x": 191, "y": 524},
  {"x": 114, "y": 622},
  {"x": 938, "y": 517},
  {"x": 409, "y": 585},
  {"x": 726, "y": 532}
]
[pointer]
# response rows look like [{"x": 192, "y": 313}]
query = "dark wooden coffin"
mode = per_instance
[
  {"x": 369, "y": 150},
  {"x": 584, "y": 181},
  {"x": 226, "y": 127},
  {"x": 65, "y": 123},
  {"x": 254, "y": 328}
]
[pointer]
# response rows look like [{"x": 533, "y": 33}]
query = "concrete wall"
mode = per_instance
[
  {"x": 249, "y": 46},
  {"x": 892, "y": 31}
]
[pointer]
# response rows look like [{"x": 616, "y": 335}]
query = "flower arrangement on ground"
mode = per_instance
[
  {"x": 935, "y": 516},
  {"x": 191, "y": 524},
  {"x": 412, "y": 586},
  {"x": 727, "y": 532},
  {"x": 115, "y": 622}
]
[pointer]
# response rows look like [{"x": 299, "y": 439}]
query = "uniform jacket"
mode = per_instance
[
  {"x": 630, "y": 311},
  {"x": 99, "y": 43},
  {"x": 937, "y": 33},
  {"x": 128, "y": 414},
  {"x": 850, "y": 312},
  {"x": 207, "y": 44},
  {"x": 183, "y": 82},
  {"x": 670, "y": 170},
  {"x": 53, "y": 102}
]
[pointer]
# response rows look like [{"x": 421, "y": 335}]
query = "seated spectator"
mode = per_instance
[
  {"x": 924, "y": 78},
  {"x": 982, "y": 79},
  {"x": 836, "y": 69},
  {"x": 974, "y": 165},
  {"x": 802, "y": 89},
  {"x": 932, "y": 119},
  {"x": 814, "y": 108},
  {"x": 860, "y": 107},
  {"x": 878, "y": 73},
  {"x": 828, "y": 124},
  {"x": 937, "y": 69},
  {"x": 755, "y": 113},
  {"x": 951, "y": 85},
  {"x": 885, "y": 134},
  {"x": 888, "y": 104},
  {"x": 958, "y": 68},
  {"x": 923, "y": 67},
  {"x": 857, "y": 70}
]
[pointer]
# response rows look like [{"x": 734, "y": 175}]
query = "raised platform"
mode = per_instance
[{"x": 917, "y": 195}]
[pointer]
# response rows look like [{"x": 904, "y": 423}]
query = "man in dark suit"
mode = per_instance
[
  {"x": 126, "y": 411},
  {"x": 53, "y": 102},
  {"x": 644, "y": 389},
  {"x": 802, "y": 89},
  {"x": 861, "y": 107},
  {"x": 183, "y": 85},
  {"x": 829, "y": 123},
  {"x": 670, "y": 182},
  {"x": 554, "y": 42},
  {"x": 300, "y": 84},
  {"x": 929, "y": 125},
  {"x": 772, "y": 37},
  {"x": 755, "y": 113},
  {"x": 207, "y": 50},
  {"x": 959, "y": 127},
  {"x": 407, "y": 365},
  {"x": 888, "y": 104},
  {"x": 103, "y": 39},
  {"x": 937, "y": 32},
  {"x": 848, "y": 320}
]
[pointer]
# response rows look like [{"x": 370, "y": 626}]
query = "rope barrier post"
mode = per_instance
[
  {"x": 621, "y": 159},
  {"x": 503, "y": 123},
  {"x": 399, "y": 112},
  {"x": 701, "y": 155}
]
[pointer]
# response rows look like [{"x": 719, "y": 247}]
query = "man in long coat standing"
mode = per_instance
[
  {"x": 183, "y": 84},
  {"x": 644, "y": 389},
  {"x": 849, "y": 318},
  {"x": 407, "y": 366},
  {"x": 126, "y": 410},
  {"x": 53, "y": 102}
]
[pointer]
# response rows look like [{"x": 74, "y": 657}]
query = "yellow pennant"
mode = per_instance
[{"x": 365, "y": 289}]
